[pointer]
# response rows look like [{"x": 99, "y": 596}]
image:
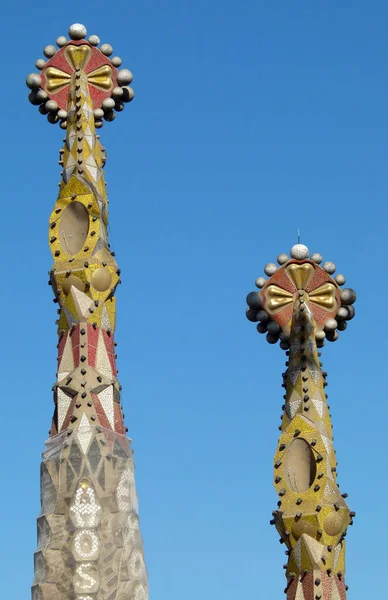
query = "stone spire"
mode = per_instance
[
  {"x": 302, "y": 304},
  {"x": 89, "y": 543}
]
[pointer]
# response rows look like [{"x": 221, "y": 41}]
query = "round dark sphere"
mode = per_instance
[
  {"x": 262, "y": 316},
  {"x": 273, "y": 328},
  {"x": 332, "y": 336},
  {"x": 261, "y": 327},
  {"x": 348, "y": 296},
  {"x": 33, "y": 98},
  {"x": 272, "y": 339},
  {"x": 351, "y": 313},
  {"x": 251, "y": 315},
  {"x": 128, "y": 94},
  {"x": 254, "y": 300},
  {"x": 342, "y": 325},
  {"x": 52, "y": 118}
]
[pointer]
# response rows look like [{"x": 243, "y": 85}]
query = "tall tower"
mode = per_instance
[
  {"x": 89, "y": 543},
  {"x": 302, "y": 305}
]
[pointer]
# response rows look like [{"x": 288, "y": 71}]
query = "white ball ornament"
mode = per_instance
[
  {"x": 77, "y": 31},
  {"x": 299, "y": 251}
]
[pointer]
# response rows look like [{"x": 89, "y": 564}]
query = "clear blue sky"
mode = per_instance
[{"x": 251, "y": 119}]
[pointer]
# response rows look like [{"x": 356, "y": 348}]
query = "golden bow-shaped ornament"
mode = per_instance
[
  {"x": 324, "y": 296},
  {"x": 78, "y": 58},
  {"x": 300, "y": 275}
]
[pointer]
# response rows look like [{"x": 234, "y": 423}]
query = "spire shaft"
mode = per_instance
[
  {"x": 89, "y": 542},
  {"x": 302, "y": 305},
  {"x": 312, "y": 516}
]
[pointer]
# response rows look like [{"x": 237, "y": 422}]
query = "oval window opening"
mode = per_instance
[
  {"x": 74, "y": 227},
  {"x": 299, "y": 466}
]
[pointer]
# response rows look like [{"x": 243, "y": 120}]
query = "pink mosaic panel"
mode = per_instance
[
  {"x": 341, "y": 587},
  {"x": 327, "y": 583},
  {"x": 283, "y": 316},
  {"x": 61, "y": 345},
  {"x": 110, "y": 348},
  {"x": 119, "y": 422},
  {"x": 75, "y": 335},
  {"x": 291, "y": 590},
  {"x": 92, "y": 351},
  {"x": 320, "y": 276},
  {"x": 320, "y": 314},
  {"x": 92, "y": 344},
  {"x": 281, "y": 279},
  {"x": 92, "y": 335},
  {"x": 109, "y": 342},
  {"x": 97, "y": 60},
  {"x": 103, "y": 419},
  {"x": 308, "y": 586}
]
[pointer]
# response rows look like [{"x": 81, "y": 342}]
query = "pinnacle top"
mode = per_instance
[
  {"x": 300, "y": 280},
  {"x": 108, "y": 86}
]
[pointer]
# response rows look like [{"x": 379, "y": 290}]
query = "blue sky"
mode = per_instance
[{"x": 251, "y": 119}]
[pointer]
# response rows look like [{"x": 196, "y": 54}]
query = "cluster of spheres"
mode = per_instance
[
  {"x": 266, "y": 323},
  {"x": 120, "y": 94}
]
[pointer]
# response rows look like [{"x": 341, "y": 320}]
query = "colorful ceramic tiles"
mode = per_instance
[
  {"x": 89, "y": 542},
  {"x": 301, "y": 305}
]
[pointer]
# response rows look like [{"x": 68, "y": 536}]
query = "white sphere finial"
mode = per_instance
[
  {"x": 77, "y": 31},
  {"x": 299, "y": 251}
]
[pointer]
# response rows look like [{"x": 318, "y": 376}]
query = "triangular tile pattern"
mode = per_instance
[
  {"x": 109, "y": 345},
  {"x": 84, "y": 433},
  {"x": 82, "y": 303},
  {"x": 328, "y": 444},
  {"x": 106, "y": 399},
  {"x": 312, "y": 552},
  {"x": 69, "y": 415},
  {"x": 66, "y": 364},
  {"x": 341, "y": 588},
  {"x": 293, "y": 376},
  {"x": 63, "y": 405},
  {"x": 299, "y": 592},
  {"x": 81, "y": 148},
  {"x": 103, "y": 364},
  {"x": 61, "y": 345},
  {"x": 319, "y": 407},
  {"x": 337, "y": 552},
  {"x": 335, "y": 595},
  {"x": 292, "y": 408},
  {"x": 105, "y": 322}
]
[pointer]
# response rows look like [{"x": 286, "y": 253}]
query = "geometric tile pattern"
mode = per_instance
[
  {"x": 89, "y": 543},
  {"x": 312, "y": 516}
]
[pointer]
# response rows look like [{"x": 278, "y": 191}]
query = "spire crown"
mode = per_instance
[
  {"x": 108, "y": 86},
  {"x": 300, "y": 280}
]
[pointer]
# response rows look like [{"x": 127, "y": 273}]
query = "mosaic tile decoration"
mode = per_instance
[
  {"x": 89, "y": 542},
  {"x": 312, "y": 516}
]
